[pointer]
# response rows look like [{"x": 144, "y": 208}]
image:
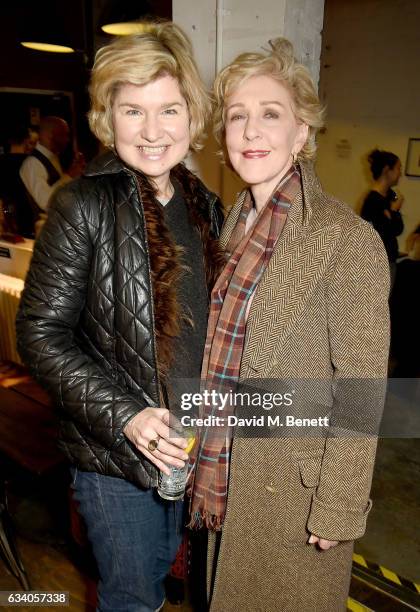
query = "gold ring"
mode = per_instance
[{"x": 153, "y": 444}]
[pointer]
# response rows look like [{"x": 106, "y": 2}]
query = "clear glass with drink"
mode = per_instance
[{"x": 172, "y": 487}]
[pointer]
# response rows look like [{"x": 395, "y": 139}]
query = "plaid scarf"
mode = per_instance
[{"x": 249, "y": 254}]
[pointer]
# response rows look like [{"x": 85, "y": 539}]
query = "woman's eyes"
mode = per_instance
[
  {"x": 269, "y": 114},
  {"x": 236, "y": 117},
  {"x": 134, "y": 112}
]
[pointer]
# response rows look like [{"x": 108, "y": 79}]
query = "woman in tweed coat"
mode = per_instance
[{"x": 303, "y": 296}]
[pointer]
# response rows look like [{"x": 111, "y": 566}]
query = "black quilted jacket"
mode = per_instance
[{"x": 85, "y": 326}]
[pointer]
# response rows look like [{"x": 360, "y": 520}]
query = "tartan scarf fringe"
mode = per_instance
[{"x": 200, "y": 519}]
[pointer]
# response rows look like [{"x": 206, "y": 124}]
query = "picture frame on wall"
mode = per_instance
[{"x": 412, "y": 164}]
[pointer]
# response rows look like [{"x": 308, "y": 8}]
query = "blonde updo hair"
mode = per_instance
[
  {"x": 160, "y": 49},
  {"x": 279, "y": 63}
]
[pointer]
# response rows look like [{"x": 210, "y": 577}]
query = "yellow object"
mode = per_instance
[
  {"x": 39, "y": 46},
  {"x": 355, "y": 606},
  {"x": 191, "y": 442},
  {"x": 124, "y": 29},
  {"x": 390, "y": 574},
  {"x": 359, "y": 560}
]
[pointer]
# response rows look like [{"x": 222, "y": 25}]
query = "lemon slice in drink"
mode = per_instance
[{"x": 190, "y": 446}]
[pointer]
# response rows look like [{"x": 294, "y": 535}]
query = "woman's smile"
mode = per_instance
[
  {"x": 255, "y": 154},
  {"x": 153, "y": 153}
]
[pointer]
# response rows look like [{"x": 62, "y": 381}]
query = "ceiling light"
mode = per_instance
[
  {"x": 124, "y": 28},
  {"x": 51, "y": 27},
  {"x": 123, "y": 17},
  {"x": 39, "y": 46}
]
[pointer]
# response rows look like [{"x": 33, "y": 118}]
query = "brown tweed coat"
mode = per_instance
[{"x": 320, "y": 311}]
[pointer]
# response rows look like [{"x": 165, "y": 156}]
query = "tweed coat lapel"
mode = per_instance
[
  {"x": 231, "y": 220},
  {"x": 299, "y": 261}
]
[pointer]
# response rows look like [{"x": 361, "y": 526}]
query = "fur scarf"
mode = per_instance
[{"x": 165, "y": 258}]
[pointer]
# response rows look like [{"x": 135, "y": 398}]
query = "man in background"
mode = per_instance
[
  {"x": 41, "y": 172},
  {"x": 21, "y": 141}
]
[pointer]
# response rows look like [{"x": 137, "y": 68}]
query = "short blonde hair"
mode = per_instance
[
  {"x": 160, "y": 49},
  {"x": 279, "y": 63}
]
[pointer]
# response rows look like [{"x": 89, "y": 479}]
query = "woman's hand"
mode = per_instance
[
  {"x": 153, "y": 424},
  {"x": 396, "y": 204},
  {"x": 322, "y": 544}
]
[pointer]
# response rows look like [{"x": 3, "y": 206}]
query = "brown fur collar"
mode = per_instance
[{"x": 165, "y": 261}]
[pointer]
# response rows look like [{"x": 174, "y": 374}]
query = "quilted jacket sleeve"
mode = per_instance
[
  {"x": 357, "y": 302},
  {"x": 53, "y": 298}
]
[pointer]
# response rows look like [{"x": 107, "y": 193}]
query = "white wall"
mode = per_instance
[
  {"x": 370, "y": 80},
  {"x": 247, "y": 26},
  {"x": 303, "y": 25}
]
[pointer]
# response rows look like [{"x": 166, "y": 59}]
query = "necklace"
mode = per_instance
[{"x": 164, "y": 199}]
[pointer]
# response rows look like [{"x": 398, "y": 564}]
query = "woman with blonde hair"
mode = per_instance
[
  {"x": 115, "y": 305},
  {"x": 302, "y": 304}
]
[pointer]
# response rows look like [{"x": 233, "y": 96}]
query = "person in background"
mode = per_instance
[
  {"x": 41, "y": 172},
  {"x": 405, "y": 308},
  {"x": 115, "y": 305},
  {"x": 382, "y": 206},
  {"x": 22, "y": 140},
  {"x": 412, "y": 244},
  {"x": 301, "y": 303},
  {"x": 13, "y": 196}
]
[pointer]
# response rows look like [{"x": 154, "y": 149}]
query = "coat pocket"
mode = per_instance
[{"x": 304, "y": 478}]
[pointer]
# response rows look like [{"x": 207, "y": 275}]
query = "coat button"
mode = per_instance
[{"x": 270, "y": 488}]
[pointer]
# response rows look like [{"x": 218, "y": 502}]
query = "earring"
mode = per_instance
[{"x": 294, "y": 157}]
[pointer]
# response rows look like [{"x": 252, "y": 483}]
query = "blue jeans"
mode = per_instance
[{"x": 134, "y": 535}]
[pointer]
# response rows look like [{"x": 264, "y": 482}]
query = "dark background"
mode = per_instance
[{"x": 75, "y": 23}]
